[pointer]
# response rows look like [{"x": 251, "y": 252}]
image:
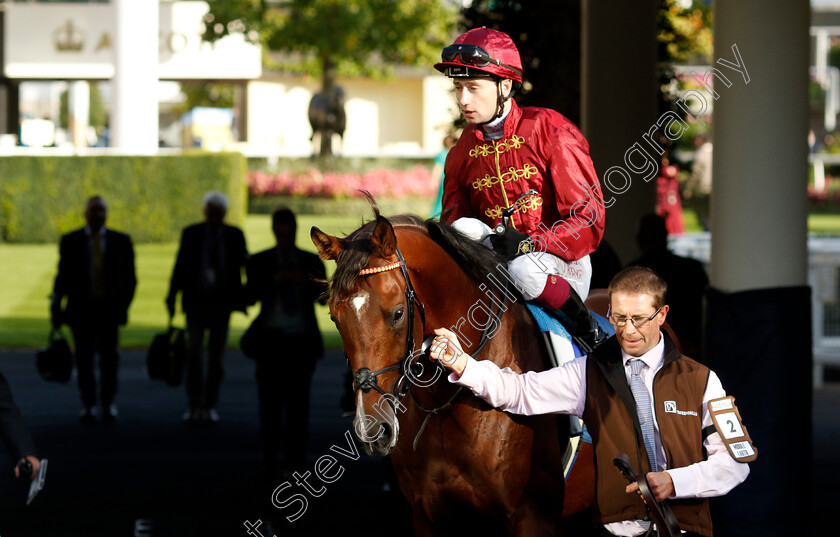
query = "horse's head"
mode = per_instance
[{"x": 378, "y": 321}]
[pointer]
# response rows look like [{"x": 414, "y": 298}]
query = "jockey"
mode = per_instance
[{"x": 506, "y": 151}]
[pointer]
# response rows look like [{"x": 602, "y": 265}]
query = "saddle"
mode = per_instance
[{"x": 561, "y": 348}]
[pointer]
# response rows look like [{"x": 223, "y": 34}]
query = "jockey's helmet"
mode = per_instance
[{"x": 481, "y": 52}]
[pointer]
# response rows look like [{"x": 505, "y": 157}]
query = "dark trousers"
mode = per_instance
[
  {"x": 204, "y": 392},
  {"x": 283, "y": 386},
  {"x": 95, "y": 334}
]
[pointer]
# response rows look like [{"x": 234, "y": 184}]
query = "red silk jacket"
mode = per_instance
[{"x": 540, "y": 150}]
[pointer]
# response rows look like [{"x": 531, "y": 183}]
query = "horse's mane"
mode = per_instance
[{"x": 476, "y": 260}]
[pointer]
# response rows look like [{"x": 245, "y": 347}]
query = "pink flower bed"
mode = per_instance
[{"x": 314, "y": 184}]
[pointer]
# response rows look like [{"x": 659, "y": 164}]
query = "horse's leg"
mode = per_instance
[
  {"x": 422, "y": 525},
  {"x": 532, "y": 519},
  {"x": 580, "y": 486}
]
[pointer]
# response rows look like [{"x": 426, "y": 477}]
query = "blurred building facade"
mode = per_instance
[{"x": 54, "y": 52}]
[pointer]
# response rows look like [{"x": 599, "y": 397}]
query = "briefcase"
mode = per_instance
[
  {"x": 166, "y": 356},
  {"x": 55, "y": 361}
]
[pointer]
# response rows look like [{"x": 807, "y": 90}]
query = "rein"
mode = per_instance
[
  {"x": 365, "y": 379},
  {"x": 496, "y": 319}
]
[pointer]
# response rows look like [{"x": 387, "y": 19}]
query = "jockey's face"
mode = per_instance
[
  {"x": 636, "y": 341},
  {"x": 478, "y": 98}
]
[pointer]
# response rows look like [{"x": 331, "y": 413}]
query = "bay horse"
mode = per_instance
[{"x": 462, "y": 465}]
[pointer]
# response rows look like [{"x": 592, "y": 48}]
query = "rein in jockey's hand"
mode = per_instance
[
  {"x": 511, "y": 243},
  {"x": 661, "y": 485},
  {"x": 446, "y": 349}
]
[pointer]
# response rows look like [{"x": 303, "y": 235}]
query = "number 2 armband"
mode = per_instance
[{"x": 727, "y": 422}]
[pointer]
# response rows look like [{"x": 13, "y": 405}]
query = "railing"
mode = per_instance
[{"x": 824, "y": 279}]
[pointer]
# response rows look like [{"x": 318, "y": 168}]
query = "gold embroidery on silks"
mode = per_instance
[
  {"x": 484, "y": 150},
  {"x": 495, "y": 212},
  {"x": 531, "y": 205},
  {"x": 512, "y": 174}
]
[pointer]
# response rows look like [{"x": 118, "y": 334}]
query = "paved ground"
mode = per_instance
[
  {"x": 175, "y": 479},
  {"x": 186, "y": 481}
]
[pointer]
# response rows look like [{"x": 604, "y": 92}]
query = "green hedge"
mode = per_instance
[
  {"x": 149, "y": 197},
  {"x": 347, "y": 207}
]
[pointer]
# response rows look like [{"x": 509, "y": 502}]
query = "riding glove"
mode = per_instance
[{"x": 511, "y": 243}]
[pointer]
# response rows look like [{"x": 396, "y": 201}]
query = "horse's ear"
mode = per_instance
[
  {"x": 383, "y": 241},
  {"x": 328, "y": 246}
]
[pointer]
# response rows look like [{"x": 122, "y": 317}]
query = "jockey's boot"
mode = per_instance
[
  {"x": 565, "y": 304},
  {"x": 582, "y": 325}
]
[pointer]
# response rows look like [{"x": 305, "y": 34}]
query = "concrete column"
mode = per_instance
[
  {"x": 240, "y": 108},
  {"x": 758, "y": 312},
  {"x": 4, "y": 106},
  {"x": 134, "y": 116},
  {"x": 12, "y": 109},
  {"x": 760, "y": 136},
  {"x": 4, "y": 86},
  {"x": 618, "y": 101},
  {"x": 78, "y": 101}
]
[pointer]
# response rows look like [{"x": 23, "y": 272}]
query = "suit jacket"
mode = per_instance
[
  {"x": 187, "y": 274},
  {"x": 261, "y": 287},
  {"x": 13, "y": 430},
  {"x": 74, "y": 276}
]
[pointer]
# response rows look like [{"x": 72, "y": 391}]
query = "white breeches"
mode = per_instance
[{"x": 530, "y": 271}]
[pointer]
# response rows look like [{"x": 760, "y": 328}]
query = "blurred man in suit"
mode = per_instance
[
  {"x": 208, "y": 273},
  {"x": 686, "y": 279},
  {"x": 96, "y": 274},
  {"x": 284, "y": 339}
]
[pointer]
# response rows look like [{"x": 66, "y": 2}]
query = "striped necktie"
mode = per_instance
[
  {"x": 642, "y": 397},
  {"x": 98, "y": 278}
]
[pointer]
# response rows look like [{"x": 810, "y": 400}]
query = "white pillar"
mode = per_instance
[
  {"x": 618, "y": 107},
  {"x": 134, "y": 112},
  {"x": 759, "y": 195},
  {"x": 758, "y": 318},
  {"x": 78, "y": 112}
]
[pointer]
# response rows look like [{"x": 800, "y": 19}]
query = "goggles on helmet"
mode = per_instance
[{"x": 472, "y": 55}]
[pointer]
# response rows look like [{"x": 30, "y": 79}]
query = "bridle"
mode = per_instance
[{"x": 364, "y": 379}]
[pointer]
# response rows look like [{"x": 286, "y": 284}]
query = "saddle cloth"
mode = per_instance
[{"x": 565, "y": 350}]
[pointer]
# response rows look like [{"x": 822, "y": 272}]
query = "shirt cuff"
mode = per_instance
[
  {"x": 467, "y": 377},
  {"x": 683, "y": 479}
]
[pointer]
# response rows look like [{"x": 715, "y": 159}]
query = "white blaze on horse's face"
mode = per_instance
[
  {"x": 360, "y": 302},
  {"x": 378, "y": 431}
]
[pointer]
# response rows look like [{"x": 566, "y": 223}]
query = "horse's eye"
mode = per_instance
[{"x": 398, "y": 315}]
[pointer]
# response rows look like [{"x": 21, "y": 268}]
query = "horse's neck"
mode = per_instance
[
  {"x": 455, "y": 301},
  {"x": 518, "y": 344},
  {"x": 465, "y": 311}
]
